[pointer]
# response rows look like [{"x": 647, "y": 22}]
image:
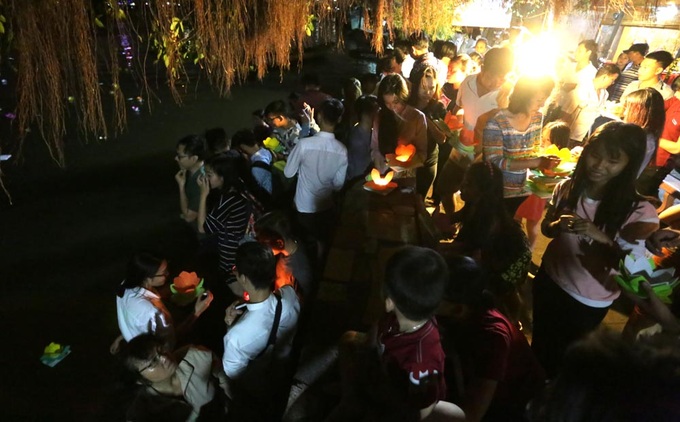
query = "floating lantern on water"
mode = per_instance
[
  {"x": 404, "y": 153},
  {"x": 379, "y": 180}
]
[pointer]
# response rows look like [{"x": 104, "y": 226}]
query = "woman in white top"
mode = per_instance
[
  {"x": 175, "y": 386},
  {"x": 139, "y": 306}
]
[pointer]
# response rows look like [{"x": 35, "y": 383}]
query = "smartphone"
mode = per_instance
[{"x": 241, "y": 306}]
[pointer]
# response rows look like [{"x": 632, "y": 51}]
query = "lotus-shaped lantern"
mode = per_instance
[
  {"x": 379, "y": 180},
  {"x": 273, "y": 144},
  {"x": 186, "y": 287},
  {"x": 637, "y": 270},
  {"x": 380, "y": 184},
  {"x": 404, "y": 153}
]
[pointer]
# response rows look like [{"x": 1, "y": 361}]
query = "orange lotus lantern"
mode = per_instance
[
  {"x": 186, "y": 283},
  {"x": 404, "y": 152},
  {"x": 186, "y": 288},
  {"x": 379, "y": 180}
]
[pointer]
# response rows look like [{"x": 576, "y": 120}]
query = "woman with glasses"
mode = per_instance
[
  {"x": 139, "y": 306},
  {"x": 174, "y": 386}
]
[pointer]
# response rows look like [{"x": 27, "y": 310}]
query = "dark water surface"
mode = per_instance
[{"x": 65, "y": 242}]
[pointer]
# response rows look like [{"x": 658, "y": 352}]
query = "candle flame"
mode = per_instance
[
  {"x": 381, "y": 181},
  {"x": 404, "y": 153}
]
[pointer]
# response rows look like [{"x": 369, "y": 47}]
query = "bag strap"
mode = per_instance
[
  {"x": 261, "y": 165},
  {"x": 275, "y": 326}
]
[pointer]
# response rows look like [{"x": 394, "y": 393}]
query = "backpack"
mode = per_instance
[{"x": 281, "y": 196}]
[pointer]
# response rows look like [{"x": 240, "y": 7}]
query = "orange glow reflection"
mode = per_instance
[{"x": 405, "y": 152}]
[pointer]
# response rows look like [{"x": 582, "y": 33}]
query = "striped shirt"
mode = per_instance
[
  {"x": 228, "y": 220},
  {"x": 503, "y": 143},
  {"x": 629, "y": 75}
]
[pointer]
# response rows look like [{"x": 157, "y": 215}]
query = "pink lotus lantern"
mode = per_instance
[{"x": 404, "y": 153}]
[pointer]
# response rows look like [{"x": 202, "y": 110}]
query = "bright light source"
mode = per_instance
[{"x": 538, "y": 56}]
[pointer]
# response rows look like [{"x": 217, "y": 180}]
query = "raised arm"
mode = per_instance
[{"x": 204, "y": 185}]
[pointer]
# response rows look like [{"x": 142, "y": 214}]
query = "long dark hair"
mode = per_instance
[
  {"x": 524, "y": 91},
  {"x": 645, "y": 108},
  {"x": 235, "y": 172},
  {"x": 140, "y": 267},
  {"x": 388, "y": 127},
  {"x": 620, "y": 198},
  {"x": 427, "y": 71}
]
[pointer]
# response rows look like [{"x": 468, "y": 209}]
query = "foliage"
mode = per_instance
[{"x": 70, "y": 53}]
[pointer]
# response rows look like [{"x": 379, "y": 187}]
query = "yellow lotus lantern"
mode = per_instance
[
  {"x": 404, "y": 153},
  {"x": 380, "y": 184},
  {"x": 379, "y": 180}
]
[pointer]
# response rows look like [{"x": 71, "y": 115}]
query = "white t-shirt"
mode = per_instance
[
  {"x": 248, "y": 337},
  {"x": 140, "y": 311},
  {"x": 592, "y": 103},
  {"x": 569, "y": 100},
  {"x": 473, "y": 105},
  {"x": 320, "y": 161},
  {"x": 662, "y": 87},
  {"x": 575, "y": 263}
]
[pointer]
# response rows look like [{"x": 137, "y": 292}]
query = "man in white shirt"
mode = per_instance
[
  {"x": 320, "y": 162},
  {"x": 480, "y": 93},
  {"x": 649, "y": 75},
  {"x": 590, "y": 98},
  {"x": 257, "y": 345}
]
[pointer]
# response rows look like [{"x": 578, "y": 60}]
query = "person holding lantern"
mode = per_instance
[
  {"x": 425, "y": 97},
  {"x": 140, "y": 308},
  {"x": 512, "y": 138},
  {"x": 397, "y": 123}
]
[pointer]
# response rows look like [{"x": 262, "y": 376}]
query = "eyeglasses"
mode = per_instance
[
  {"x": 180, "y": 156},
  {"x": 165, "y": 273},
  {"x": 155, "y": 361}
]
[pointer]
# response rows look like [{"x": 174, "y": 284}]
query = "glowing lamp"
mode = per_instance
[
  {"x": 186, "y": 287},
  {"x": 186, "y": 283},
  {"x": 404, "y": 153},
  {"x": 379, "y": 180}
]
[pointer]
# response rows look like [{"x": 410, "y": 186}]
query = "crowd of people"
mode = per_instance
[{"x": 264, "y": 202}]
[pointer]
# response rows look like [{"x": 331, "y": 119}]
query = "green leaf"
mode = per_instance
[
  {"x": 2, "y": 19},
  {"x": 98, "y": 23},
  {"x": 2, "y": 28}
]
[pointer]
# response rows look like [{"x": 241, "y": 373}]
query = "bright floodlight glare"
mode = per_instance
[{"x": 538, "y": 56}]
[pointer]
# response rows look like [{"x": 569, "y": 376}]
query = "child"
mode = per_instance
[
  {"x": 499, "y": 372},
  {"x": 411, "y": 383},
  {"x": 554, "y": 133},
  {"x": 594, "y": 218},
  {"x": 261, "y": 159},
  {"x": 490, "y": 236}
]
